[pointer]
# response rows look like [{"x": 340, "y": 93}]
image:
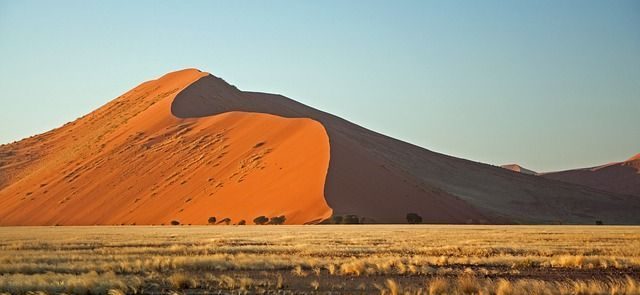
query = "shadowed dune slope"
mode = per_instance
[
  {"x": 622, "y": 177},
  {"x": 133, "y": 162},
  {"x": 382, "y": 179}
]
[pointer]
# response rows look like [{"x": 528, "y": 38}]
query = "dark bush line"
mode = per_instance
[
  {"x": 260, "y": 220},
  {"x": 276, "y": 220},
  {"x": 412, "y": 218},
  {"x": 345, "y": 219}
]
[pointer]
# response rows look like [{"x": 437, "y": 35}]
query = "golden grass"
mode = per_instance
[
  {"x": 398, "y": 259},
  {"x": 474, "y": 285}
]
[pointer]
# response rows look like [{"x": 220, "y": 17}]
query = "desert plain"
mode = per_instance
[{"x": 320, "y": 259}]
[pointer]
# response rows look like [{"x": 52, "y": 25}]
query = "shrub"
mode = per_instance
[
  {"x": 260, "y": 220},
  {"x": 345, "y": 219},
  {"x": 212, "y": 220},
  {"x": 599, "y": 222},
  {"x": 277, "y": 220},
  {"x": 413, "y": 218},
  {"x": 336, "y": 219},
  {"x": 175, "y": 222},
  {"x": 181, "y": 281},
  {"x": 350, "y": 219},
  {"x": 226, "y": 221},
  {"x": 242, "y": 222}
]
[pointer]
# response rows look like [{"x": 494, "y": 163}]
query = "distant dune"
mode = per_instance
[
  {"x": 518, "y": 168},
  {"x": 189, "y": 146},
  {"x": 621, "y": 177}
]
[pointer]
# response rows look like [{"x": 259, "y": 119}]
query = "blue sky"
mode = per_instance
[{"x": 548, "y": 84}]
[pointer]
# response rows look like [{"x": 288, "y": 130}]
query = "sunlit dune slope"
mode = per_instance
[{"x": 133, "y": 162}]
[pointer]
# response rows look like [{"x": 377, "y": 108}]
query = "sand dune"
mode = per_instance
[
  {"x": 359, "y": 181},
  {"x": 518, "y": 168},
  {"x": 380, "y": 178},
  {"x": 133, "y": 162},
  {"x": 188, "y": 146},
  {"x": 621, "y": 177}
]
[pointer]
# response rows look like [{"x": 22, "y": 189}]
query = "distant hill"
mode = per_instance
[{"x": 620, "y": 177}]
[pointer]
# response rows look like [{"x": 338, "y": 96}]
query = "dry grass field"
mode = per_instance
[{"x": 331, "y": 259}]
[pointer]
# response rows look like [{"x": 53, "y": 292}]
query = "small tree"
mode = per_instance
[
  {"x": 277, "y": 220},
  {"x": 175, "y": 222},
  {"x": 260, "y": 220},
  {"x": 242, "y": 222},
  {"x": 413, "y": 218},
  {"x": 599, "y": 222},
  {"x": 226, "y": 221},
  {"x": 212, "y": 220},
  {"x": 337, "y": 219}
]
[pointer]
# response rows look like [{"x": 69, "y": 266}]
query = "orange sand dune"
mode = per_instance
[
  {"x": 188, "y": 146},
  {"x": 133, "y": 162}
]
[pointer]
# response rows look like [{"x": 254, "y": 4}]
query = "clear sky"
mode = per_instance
[{"x": 547, "y": 84}]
